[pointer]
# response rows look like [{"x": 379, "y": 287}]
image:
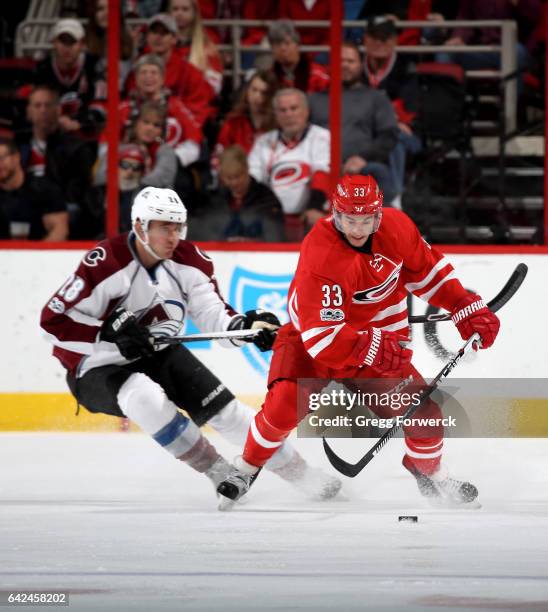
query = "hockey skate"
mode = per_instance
[
  {"x": 237, "y": 483},
  {"x": 441, "y": 490},
  {"x": 313, "y": 482},
  {"x": 218, "y": 472}
]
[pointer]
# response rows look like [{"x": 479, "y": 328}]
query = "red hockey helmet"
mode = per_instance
[{"x": 356, "y": 194}]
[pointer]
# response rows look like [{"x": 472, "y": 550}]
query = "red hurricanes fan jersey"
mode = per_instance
[{"x": 339, "y": 291}]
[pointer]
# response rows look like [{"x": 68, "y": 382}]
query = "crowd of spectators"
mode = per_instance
[{"x": 251, "y": 164}]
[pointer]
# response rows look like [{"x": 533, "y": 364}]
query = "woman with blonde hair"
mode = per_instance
[{"x": 194, "y": 43}]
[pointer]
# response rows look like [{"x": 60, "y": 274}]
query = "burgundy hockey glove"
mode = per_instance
[
  {"x": 384, "y": 351},
  {"x": 133, "y": 340},
  {"x": 472, "y": 315}
]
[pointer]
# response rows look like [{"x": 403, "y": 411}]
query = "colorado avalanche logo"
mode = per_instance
[
  {"x": 381, "y": 291},
  {"x": 165, "y": 319},
  {"x": 289, "y": 172},
  {"x": 250, "y": 290},
  {"x": 93, "y": 258}
]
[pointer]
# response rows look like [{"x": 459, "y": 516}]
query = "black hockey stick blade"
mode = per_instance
[{"x": 512, "y": 285}]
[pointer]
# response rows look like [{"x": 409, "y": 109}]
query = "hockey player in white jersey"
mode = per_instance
[{"x": 102, "y": 322}]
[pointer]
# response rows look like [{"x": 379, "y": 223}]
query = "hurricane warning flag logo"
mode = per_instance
[{"x": 251, "y": 290}]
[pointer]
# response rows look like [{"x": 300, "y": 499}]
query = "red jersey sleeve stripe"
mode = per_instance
[
  {"x": 416, "y": 286},
  {"x": 315, "y": 349}
]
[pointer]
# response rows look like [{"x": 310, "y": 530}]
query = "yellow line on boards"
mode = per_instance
[{"x": 57, "y": 412}]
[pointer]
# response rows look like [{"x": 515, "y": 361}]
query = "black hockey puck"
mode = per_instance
[{"x": 408, "y": 519}]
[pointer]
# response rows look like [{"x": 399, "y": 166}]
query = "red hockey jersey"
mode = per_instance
[{"x": 338, "y": 291}]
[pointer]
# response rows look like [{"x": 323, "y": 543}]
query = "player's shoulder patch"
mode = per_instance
[
  {"x": 94, "y": 257},
  {"x": 107, "y": 257},
  {"x": 189, "y": 254}
]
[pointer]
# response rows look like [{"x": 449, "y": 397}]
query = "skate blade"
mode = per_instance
[{"x": 226, "y": 504}]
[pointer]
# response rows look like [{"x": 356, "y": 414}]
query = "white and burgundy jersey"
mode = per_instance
[
  {"x": 338, "y": 291},
  {"x": 111, "y": 275},
  {"x": 292, "y": 169}
]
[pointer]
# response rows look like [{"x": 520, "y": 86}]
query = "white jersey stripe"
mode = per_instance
[
  {"x": 426, "y": 296},
  {"x": 424, "y": 455},
  {"x": 395, "y": 326},
  {"x": 412, "y": 287},
  {"x": 315, "y": 331},
  {"x": 80, "y": 317},
  {"x": 292, "y": 307},
  {"x": 84, "y": 348},
  {"x": 391, "y": 310},
  {"x": 259, "y": 438},
  {"x": 325, "y": 342}
]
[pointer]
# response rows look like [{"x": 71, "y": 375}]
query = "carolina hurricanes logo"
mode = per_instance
[
  {"x": 174, "y": 131},
  {"x": 384, "y": 289},
  {"x": 289, "y": 172},
  {"x": 164, "y": 318}
]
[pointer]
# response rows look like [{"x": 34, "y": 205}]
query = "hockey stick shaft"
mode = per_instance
[
  {"x": 512, "y": 285},
  {"x": 352, "y": 470},
  {"x": 223, "y": 335}
]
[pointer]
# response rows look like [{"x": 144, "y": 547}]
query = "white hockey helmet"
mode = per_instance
[{"x": 157, "y": 204}]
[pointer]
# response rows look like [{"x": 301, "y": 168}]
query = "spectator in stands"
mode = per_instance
[
  {"x": 146, "y": 135},
  {"x": 62, "y": 157},
  {"x": 294, "y": 161},
  {"x": 525, "y": 12},
  {"x": 388, "y": 71},
  {"x": 149, "y": 132},
  {"x": 194, "y": 43},
  {"x": 251, "y": 116},
  {"x": 243, "y": 209},
  {"x": 182, "y": 78},
  {"x": 30, "y": 207},
  {"x": 398, "y": 10},
  {"x": 131, "y": 173},
  {"x": 304, "y": 10},
  {"x": 96, "y": 44},
  {"x": 291, "y": 67},
  {"x": 242, "y": 9},
  {"x": 72, "y": 71},
  {"x": 182, "y": 134},
  {"x": 369, "y": 130}
]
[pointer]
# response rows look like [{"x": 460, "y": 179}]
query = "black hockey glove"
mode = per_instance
[
  {"x": 267, "y": 324},
  {"x": 133, "y": 340}
]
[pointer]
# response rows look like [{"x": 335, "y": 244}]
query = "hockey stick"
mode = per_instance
[
  {"x": 511, "y": 286},
  {"x": 223, "y": 335},
  {"x": 353, "y": 469},
  {"x": 509, "y": 289}
]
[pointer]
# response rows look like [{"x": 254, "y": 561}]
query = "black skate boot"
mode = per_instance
[
  {"x": 442, "y": 490},
  {"x": 238, "y": 482}
]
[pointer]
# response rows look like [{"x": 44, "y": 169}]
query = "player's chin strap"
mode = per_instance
[{"x": 145, "y": 244}]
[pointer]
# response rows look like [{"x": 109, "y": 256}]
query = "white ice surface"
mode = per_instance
[{"x": 122, "y": 526}]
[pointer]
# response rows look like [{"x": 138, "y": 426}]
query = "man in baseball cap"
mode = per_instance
[
  {"x": 71, "y": 71},
  {"x": 67, "y": 27},
  {"x": 167, "y": 22}
]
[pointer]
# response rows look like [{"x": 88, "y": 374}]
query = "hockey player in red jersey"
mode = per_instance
[
  {"x": 132, "y": 287},
  {"x": 348, "y": 319}
]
